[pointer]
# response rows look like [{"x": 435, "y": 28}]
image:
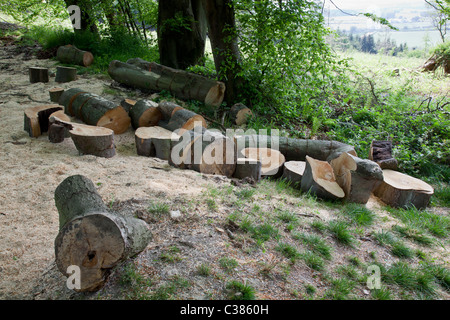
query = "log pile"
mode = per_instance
[
  {"x": 150, "y": 76},
  {"x": 91, "y": 237}
]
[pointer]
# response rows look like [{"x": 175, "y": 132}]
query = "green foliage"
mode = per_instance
[{"x": 240, "y": 291}]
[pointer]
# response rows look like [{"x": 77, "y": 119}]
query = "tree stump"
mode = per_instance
[
  {"x": 272, "y": 160},
  {"x": 239, "y": 114},
  {"x": 400, "y": 190},
  {"x": 248, "y": 168},
  {"x": 72, "y": 55},
  {"x": 38, "y": 74},
  {"x": 97, "y": 141},
  {"x": 318, "y": 179},
  {"x": 55, "y": 94},
  {"x": 145, "y": 113},
  {"x": 65, "y": 74},
  {"x": 90, "y": 237},
  {"x": 293, "y": 171},
  {"x": 155, "y": 142},
  {"x": 36, "y": 119},
  {"x": 56, "y": 133}
]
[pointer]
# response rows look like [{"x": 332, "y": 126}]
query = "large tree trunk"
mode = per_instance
[
  {"x": 150, "y": 76},
  {"x": 181, "y": 43},
  {"x": 90, "y": 237},
  {"x": 224, "y": 43}
]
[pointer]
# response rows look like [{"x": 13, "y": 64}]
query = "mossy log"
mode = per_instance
[
  {"x": 72, "y": 55},
  {"x": 91, "y": 237}
]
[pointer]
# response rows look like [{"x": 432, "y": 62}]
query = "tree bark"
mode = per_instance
[
  {"x": 381, "y": 153},
  {"x": 181, "y": 32},
  {"x": 90, "y": 237},
  {"x": 248, "y": 168},
  {"x": 239, "y": 114},
  {"x": 223, "y": 34},
  {"x": 183, "y": 120},
  {"x": 293, "y": 172},
  {"x": 38, "y": 74},
  {"x": 55, "y": 94},
  {"x": 145, "y": 113},
  {"x": 65, "y": 74},
  {"x": 151, "y": 76},
  {"x": 72, "y": 55}
]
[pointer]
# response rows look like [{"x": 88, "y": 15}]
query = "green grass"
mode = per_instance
[
  {"x": 159, "y": 208},
  {"x": 204, "y": 270},
  {"x": 315, "y": 243},
  {"x": 240, "y": 291},
  {"x": 228, "y": 264},
  {"x": 313, "y": 260},
  {"x": 288, "y": 251},
  {"x": 413, "y": 234},
  {"x": 397, "y": 247},
  {"x": 358, "y": 214},
  {"x": 340, "y": 231},
  {"x": 169, "y": 290}
]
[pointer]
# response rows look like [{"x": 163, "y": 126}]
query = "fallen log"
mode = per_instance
[
  {"x": 183, "y": 120},
  {"x": 295, "y": 149},
  {"x": 155, "y": 142},
  {"x": 272, "y": 161},
  {"x": 97, "y": 141},
  {"x": 239, "y": 114},
  {"x": 91, "y": 237},
  {"x": 65, "y": 74},
  {"x": 248, "y": 168},
  {"x": 400, "y": 190},
  {"x": 357, "y": 177},
  {"x": 94, "y": 110},
  {"x": 72, "y": 55},
  {"x": 293, "y": 171},
  {"x": 127, "y": 104},
  {"x": 145, "y": 113},
  {"x": 38, "y": 74},
  {"x": 205, "y": 151},
  {"x": 318, "y": 179},
  {"x": 167, "y": 109},
  {"x": 36, "y": 119},
  {"x": 145, "y": 75},
  {"x": 381, "y": 153},
  {"x": 55, "y": 94}
]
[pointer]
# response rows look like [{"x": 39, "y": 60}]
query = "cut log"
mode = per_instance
[
  {"x": 55, "y": 94},
  {"x": 72, "y": 55},
  {"x": 248, "y": 168},
  {"x": 145, "y": 113},
  {"x": 400, "y": 190},
  {"x": 357, "y": 177},
  {"x": 36, "y": 119},
  {"x": 94, "y": 110},
  {"x": 65, "y": 74},
  {"x": 151, "y": 76},
  {"x": 183, "y": 120},
  {"x": 56, "y": 133},
  {"x": 293, "y": 172},
  {"x": 318, "y": 179},
  {"x": 127, "y": 104},
  {"x": 294, "y": 149},
  {"x": 155, "y": 142},
  {"x": 239, "y": 114},
  {"x": 93, "y": 140},
  {"x": 38, "y": 74},
  {"x": 381, "y": 153},
  {"x": 167, "y": 109},
  {"x": 272, "y": 161},
  {"x": 205, "y": 151},
  {"x": 90, "y": 237},
  {"x": 61, "y": 116}
]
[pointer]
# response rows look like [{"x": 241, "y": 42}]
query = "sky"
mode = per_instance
[{"x": 365, "y": 4}]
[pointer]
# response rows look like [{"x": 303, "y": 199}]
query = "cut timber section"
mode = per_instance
[
  {"x": 90, "y": 237},
  {"x": 145, "y": 113},
  {"x": 248, "y": 168},
  {"x": 65, "y": 74},
  {"x": 38, "y": 74},
  {"x": 36, "y": 119},
  {"x": 357, "y": 177},
  {"x": 155, "y": 142},
  {"x": 141, "y": 74},
  {"x": 400, "y": 190},
  {"x": 239, "y": 114},
  {"x": 55, "y": 94},
  {"x": 272, "y": 161},
  {"x": 293, "y": 171},
  {"x": 205, "y": 151},
  {"x": 183, "y": 120},
  {"x": 319, "y": 180},
  {"x": 97, "y": 141},
  {"x": 381, "y": 153},
  {"x": 72, "y": 55},
  {"x": 94, "y": 110},
  {"x": 167, "y": 109}
]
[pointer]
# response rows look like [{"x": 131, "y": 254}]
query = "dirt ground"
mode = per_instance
[{"x": 32, "y": 168}]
